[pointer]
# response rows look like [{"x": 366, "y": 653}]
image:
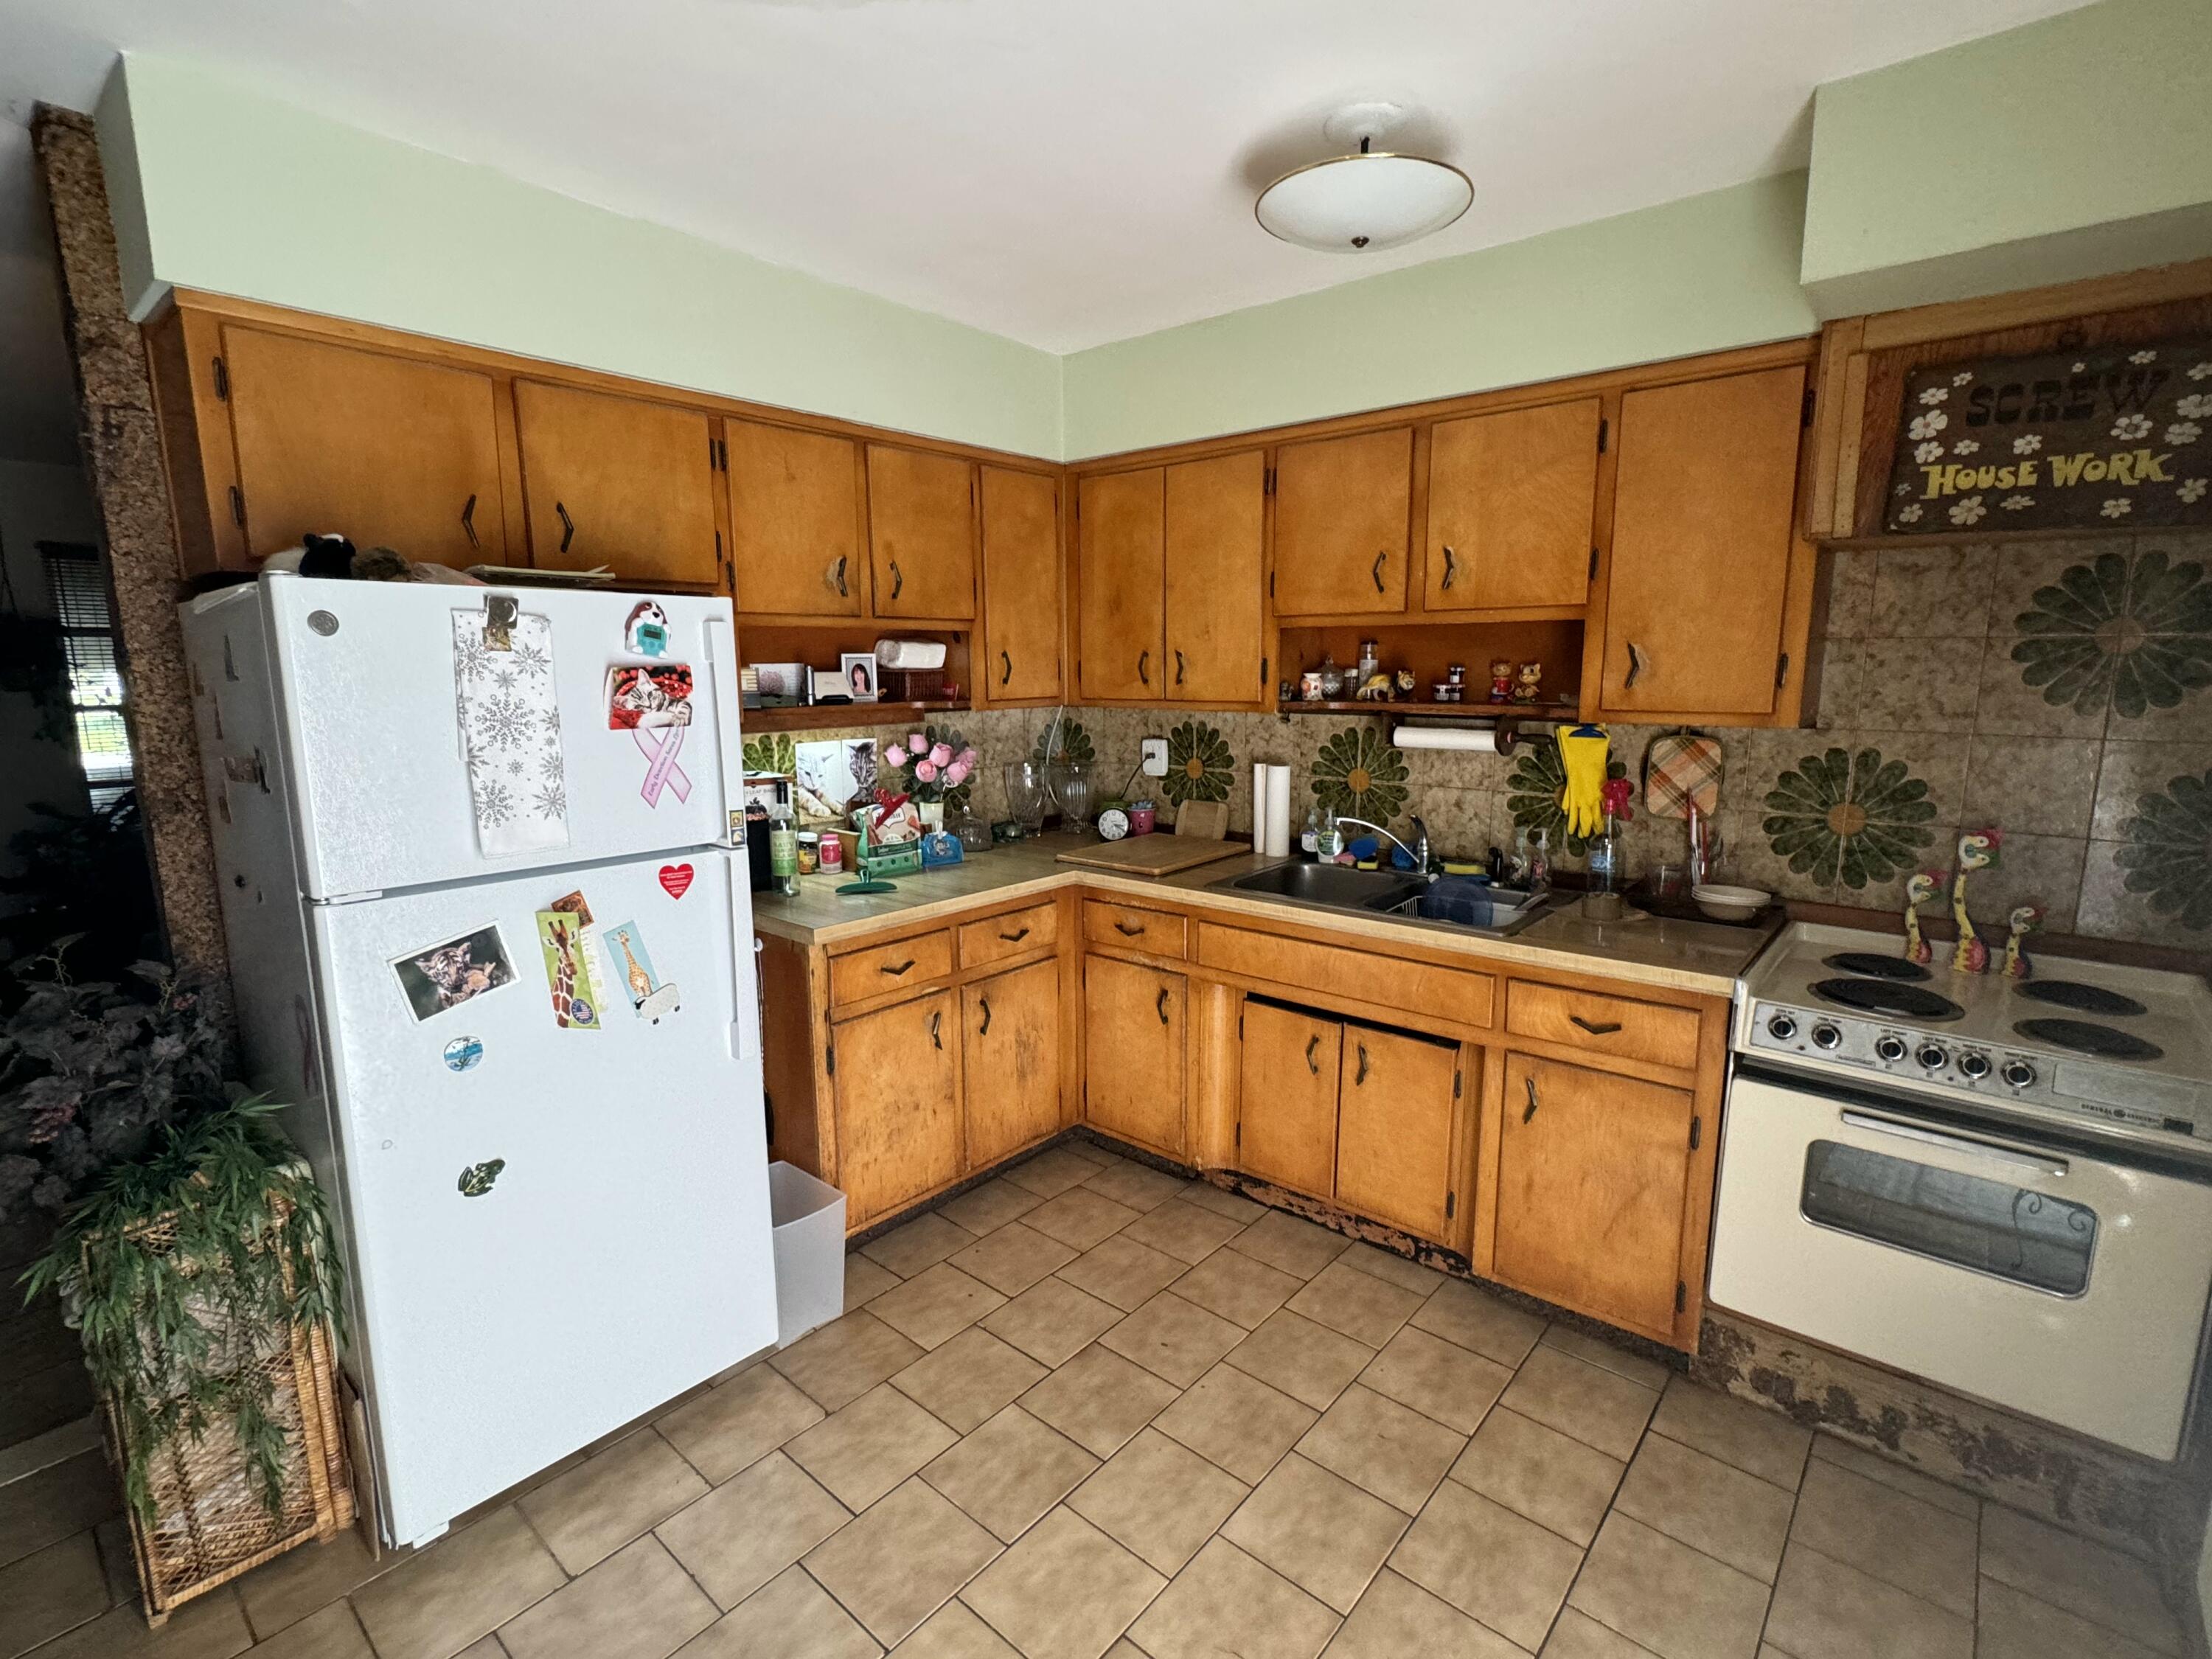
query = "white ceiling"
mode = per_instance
[{"x": 1064, "y": 174}]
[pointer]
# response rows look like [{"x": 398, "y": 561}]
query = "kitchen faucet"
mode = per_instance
[{"x": 1418, "y": 851}]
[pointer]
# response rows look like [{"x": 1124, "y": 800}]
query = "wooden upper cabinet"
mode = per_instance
[
  {"x": 1592, "y": 1183},
  {"x": 1215, "y": 516},
  {"x": 618, "y": 481},
  {"x": 1286, "y": 1115},
  {"x": 1396, "y": 1132},
  {"x": 1703, "y": 541},
  {"x": 1132, "y": 1040},
  {"x": 1341, "y": 506},
  {"x": 921, "y": 533},
  {"x": 388, "y": 451},
  {"x": 1121, "y": 526},
  {"x": 898, "y": 1104},
  {"x": 1021, "y": 587},
  {"x": 1010, "y": 1046},
  {"x": 794, "y": 521},
  {"x": 1511, "y": 497}
]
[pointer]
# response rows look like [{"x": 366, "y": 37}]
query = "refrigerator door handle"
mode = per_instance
[{"x": 729, "y": 703}]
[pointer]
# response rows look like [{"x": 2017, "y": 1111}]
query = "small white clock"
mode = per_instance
[{"x": 1112, "y": 824}]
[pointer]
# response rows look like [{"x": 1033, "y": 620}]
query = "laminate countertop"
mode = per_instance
[{"x": 1684, "y": 956}]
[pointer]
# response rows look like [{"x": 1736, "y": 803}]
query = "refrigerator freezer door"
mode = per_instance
[
  {"x": 375, "y": 753},
  {"x": 554, "y": 1229}
]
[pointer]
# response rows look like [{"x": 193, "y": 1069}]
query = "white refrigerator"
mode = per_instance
[{"x": 490, "y": 933}]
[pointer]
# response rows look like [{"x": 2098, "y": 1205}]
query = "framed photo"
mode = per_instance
[
  {"x": 446, "y": 975},
  {"x": 858, "y": 669}
]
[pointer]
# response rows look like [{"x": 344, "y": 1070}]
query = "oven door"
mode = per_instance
[{"x": 2065, "y": 1284}]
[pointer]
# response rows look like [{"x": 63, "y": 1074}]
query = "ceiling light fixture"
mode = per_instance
[{"x": 1367, "y": 201}]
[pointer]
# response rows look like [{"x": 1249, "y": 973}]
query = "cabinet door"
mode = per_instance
[
  {"x": 1340, "y": 510},
  {"x": 1593, "y": 1172},
  {"x": 1702, "y": 534},
  {"x": 1120, "y": 524},
  {"x": 898, "y": 1104},
  {"x": 794, "y": 521},
  {"x": 1511, "y": 501},
  {"x": 1132, "y": 1052},
  {"x": 1215, "y": 512},
  {"x": 1010, "y": 1049},
  {"x": 1393, "y": 1154},
  {"x": 921, "y": 533},
  {"x": 1021, "y": 587},
  {"x": 1287, "y": 1109},
  {"x": 618, "y": 481},
  {"x": 384, "y": 451}
]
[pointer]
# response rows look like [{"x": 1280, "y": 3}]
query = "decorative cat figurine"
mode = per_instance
[
  {"x": 1977, "y": 850},
  {"x": 2023, "y": 921},
  {"x": 1923, "y": 886}
]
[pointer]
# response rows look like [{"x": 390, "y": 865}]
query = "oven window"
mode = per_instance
[{"x": 2028, "y": 1238}]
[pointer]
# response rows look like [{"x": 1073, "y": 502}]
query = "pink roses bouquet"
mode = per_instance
[{"x": 935, "y": 764}]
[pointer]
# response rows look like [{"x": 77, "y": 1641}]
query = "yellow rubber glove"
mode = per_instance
[{"x": 1583, "y": 752}]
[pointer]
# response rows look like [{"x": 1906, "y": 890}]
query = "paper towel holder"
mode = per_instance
[{"x": 1510, "y": 730}]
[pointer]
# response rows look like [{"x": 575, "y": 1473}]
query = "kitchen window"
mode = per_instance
[
  {"x": 1988, "y": 1226},
  {"x": 92, "y": 672}
]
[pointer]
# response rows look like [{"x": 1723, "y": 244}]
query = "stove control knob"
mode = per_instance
[
  {"x": 1931, "y": 1056},
  {"x": 1973, "y": 1067},
  {"x": 1781, "y": 1027},
  {"x": 1826, "y": 1036},
  {"x": 1889, "y": 1050},
  {"x": 2018, "y": 1073}
]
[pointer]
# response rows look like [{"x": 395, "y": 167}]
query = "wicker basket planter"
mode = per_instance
[{"x": 210, "y": 1521}]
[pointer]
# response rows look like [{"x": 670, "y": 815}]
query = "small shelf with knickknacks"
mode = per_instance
[
  {"x": 1475, "y": 672},
  {"x": 816, "y": 677},
  {"x": 1440, "y": 711}
]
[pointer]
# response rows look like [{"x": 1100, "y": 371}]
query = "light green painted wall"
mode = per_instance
[
  {"x": 2075, "y": 146},
  {"x": 217, "y": 186},
  {"x": 1697, "y": 275}
]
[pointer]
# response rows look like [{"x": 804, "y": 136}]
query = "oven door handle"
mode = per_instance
[{"x": 2012, "y": 1159}]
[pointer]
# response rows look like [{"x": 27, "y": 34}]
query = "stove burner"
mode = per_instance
[
  {"x": 1876, "y": 996},
  {"x": 1874, "y": 967},
  {"x": 2083, "y": 1039},
  {"x": 2082, "y": 999}
]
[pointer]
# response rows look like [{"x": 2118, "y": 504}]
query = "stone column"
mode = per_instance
[{"x": 120, "y": 437}]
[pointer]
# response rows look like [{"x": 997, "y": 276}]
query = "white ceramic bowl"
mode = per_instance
[{"x": 1730, "y": 903}]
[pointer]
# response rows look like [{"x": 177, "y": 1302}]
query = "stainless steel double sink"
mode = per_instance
[{"x": 1382, "y": 893}]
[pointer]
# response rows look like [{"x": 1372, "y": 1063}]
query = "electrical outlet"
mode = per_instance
[{"x": 1155, "y": 751}]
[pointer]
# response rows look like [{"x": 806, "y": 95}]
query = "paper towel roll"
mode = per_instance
[
  {"x": 1473, "y": 740},
  {"x": 1259, "y": 770},
  {"x": 910, "y": 654},
  {"x": 1278, "y": 813}
]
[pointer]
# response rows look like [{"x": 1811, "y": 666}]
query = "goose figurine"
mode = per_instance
[
  {"x": 1923, "y": 886},
  {"x": 1977, "y": 850},
  {"x": 2022, "y": 921}
]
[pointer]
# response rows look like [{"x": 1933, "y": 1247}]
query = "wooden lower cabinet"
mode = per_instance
[
  {"x": 897, "y": 1078},
  {"x": 1287, "y": 1093},
  {"x": 1593, "y": 1183},
  {"x": 1133, "y": 1046},
  {"x": 1394, "y": 1133},
  {"x": 1010, "y": 1053}
]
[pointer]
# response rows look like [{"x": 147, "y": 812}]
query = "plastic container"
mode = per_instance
[{"x": 807, "y": 1217}]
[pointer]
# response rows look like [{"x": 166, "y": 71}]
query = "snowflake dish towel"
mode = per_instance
[{"x": 511, "y": 726}]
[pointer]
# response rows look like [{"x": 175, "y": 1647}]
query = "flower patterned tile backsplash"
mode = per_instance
[{"x": 2059, "y": 689}]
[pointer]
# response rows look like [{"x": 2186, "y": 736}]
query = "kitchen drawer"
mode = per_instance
[
  {"x": 996, "y": 938},
  {"x": 1295, "y": 965},
  {"x": 1153, "y": 932},
  {"x": 1616, "y": 1027},
  {"x": 876, "y": 971}
]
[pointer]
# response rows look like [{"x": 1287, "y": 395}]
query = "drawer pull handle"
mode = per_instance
[
  {"x": 1635, "y": 665},
  {"x": 1603, "y": 1028},
  {"x": 568, "y": 526},
  {"x": 1162, "y": 1004},
  {"x": 984, "y": 1030},
  {"x": 898, "y": 579},
  {"x": 1451, "y": 568},
  {"x": 1006, "y": 667},
  {"x": 1128, "y": 931},
  {"x": 1016, "y": 937},
  {"x": 1361, "y": 1076},
  {"x": 468, "y": 524},
  {"x": 1377, "y": 571},
  {"x": 1530, "y": 1083},
  {"x": 1313, "y": 1065},
  {"x": 935, "y": 1021},
  {"x": 896, "y": 971}
]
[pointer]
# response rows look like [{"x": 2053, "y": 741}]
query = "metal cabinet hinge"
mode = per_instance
[
  {"x": 1240, "y": 1131},
  {"x": 1781, "y": 671},
  {"x": 830, "y": 1055},
  {"x": 1604, "y": 427},
  {"x": 1697, "y": 1132},
  {"x": 1269, "y": 487},
  {"x": 1456, "y": 1080},
  {"x": 1451, "y": 1204},
  {"x": 1682, "y": 1296},
  {"x": 222, "y": 381},
  {"x": 1805, "y": 415},
  {"x": 1593, "y": 565},
  {"x": 238, "y": 506}
]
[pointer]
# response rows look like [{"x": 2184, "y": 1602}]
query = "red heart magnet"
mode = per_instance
[{"x": 676, "y": 879}]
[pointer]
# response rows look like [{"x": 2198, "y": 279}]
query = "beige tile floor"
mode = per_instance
[{"x": 1087, "y": 1410}]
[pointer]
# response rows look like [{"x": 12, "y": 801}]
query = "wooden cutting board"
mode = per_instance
[{"x": 1152, "y": 855}]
